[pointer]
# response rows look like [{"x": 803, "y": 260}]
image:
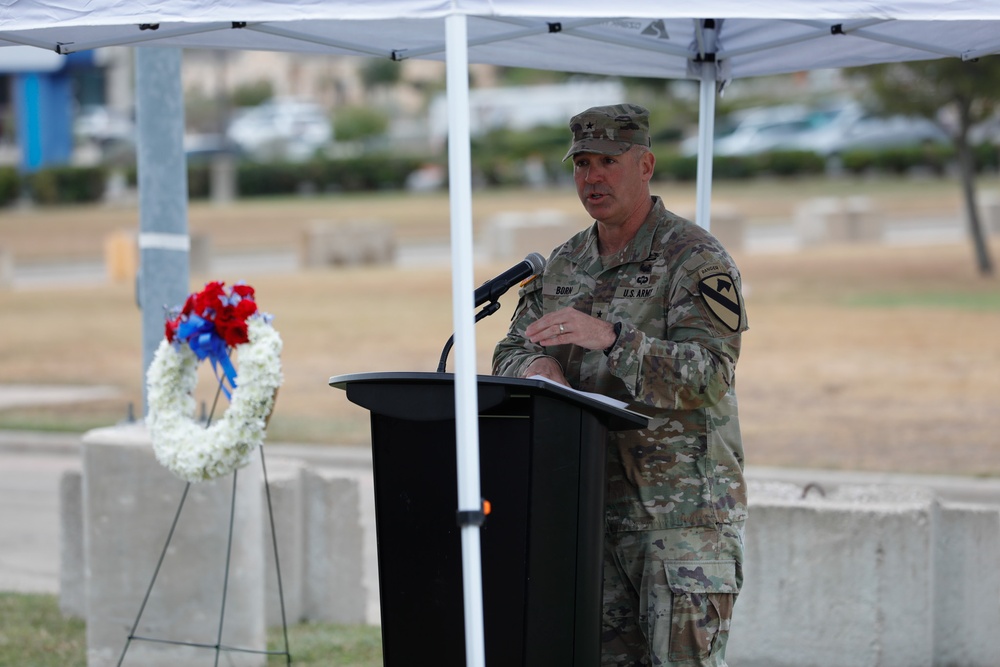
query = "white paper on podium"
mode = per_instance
[{"x": 613, "y": 402}]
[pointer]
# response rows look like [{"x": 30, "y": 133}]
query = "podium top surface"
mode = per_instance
[{"x": 617, "y": 418}]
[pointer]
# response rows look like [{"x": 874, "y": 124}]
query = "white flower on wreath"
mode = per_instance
[{"x": 188, "y": 449}]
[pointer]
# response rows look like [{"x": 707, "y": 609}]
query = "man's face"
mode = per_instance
[{"x": 612, "y": 187}]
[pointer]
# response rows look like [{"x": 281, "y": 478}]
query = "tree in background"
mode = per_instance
[
  {"x": 359, "y": 124},
  {"x": 377, "y": 72},
  {"x": 954, "y": 94},
  {"x": 252, "y": 94}
]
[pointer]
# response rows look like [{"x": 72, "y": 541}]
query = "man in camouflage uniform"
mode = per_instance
[{"x": 646, "y": 307}]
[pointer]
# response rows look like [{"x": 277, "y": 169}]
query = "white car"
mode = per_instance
[
  {"x": 758, "y": 130},
  {"x": 764, "y": 130},
  {"x": 102, "y": 124},
  {"x": 852, "y": 128},
  {"x": 282, "y": 129}
]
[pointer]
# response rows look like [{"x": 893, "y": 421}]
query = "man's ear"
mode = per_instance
[{"x": 646, "y": 165}]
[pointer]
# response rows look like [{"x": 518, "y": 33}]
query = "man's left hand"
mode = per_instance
[{"x": 569, "y": 326}]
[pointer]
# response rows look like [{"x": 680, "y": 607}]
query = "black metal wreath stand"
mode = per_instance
[{"x": 218, "y": 646}]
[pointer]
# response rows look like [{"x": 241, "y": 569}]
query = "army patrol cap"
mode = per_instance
[{"x": 609, "y": 130}]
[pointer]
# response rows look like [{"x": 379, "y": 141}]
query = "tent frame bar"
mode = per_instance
[
  {"x": 360, "y": 49},
  {"x": 152, "y": 35}
]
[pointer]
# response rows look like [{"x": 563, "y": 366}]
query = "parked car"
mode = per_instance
[
  {"x": 851, "y": 127},
  {"x": 767, "y": 129},
  {"x": 282, "y": 129},
  {"x": 203, "y": 148},
  {"x": 986, "y": 132},
  {"x": 757, "y": 130},
  {"x": 101, "y": 124}
]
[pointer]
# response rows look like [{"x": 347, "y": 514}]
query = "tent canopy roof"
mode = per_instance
[{"x": 754, "y": 38}]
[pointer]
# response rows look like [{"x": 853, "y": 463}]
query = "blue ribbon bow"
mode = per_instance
[{"x": 206, "y": 343}]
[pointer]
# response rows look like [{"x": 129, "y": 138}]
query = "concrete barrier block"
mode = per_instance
[
  {"x": 285, "y": 481},
  {"x": 121, "y": 255},
  {"x": 516, "y": 234},
  {"x": 200, "y": 254},
  {"x": 341, "y": 570},
  {"x": 72, "y": 583},
  {"x": 129, "y": 504},
  {"x": 727, "y": 224},
  {"x": 837, "y": 220},
  {"x": 842, "y": 580},
  {"x": 967, "y": 587},
  {"x": 358, "y": 242},
  {"x": 6, "y": 268},
  {"x": 223, "y": 183},
  {"x": 989, "y": 211}
]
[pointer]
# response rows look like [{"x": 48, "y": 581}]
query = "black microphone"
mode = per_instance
[{"x": 492, "y": 290}]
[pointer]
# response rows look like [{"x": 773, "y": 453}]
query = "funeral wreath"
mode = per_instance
[{"x": 212, "y": 325}]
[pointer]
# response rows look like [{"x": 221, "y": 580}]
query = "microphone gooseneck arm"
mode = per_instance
[
  {"x": 487, "y": 310},
  {"x": 490, "y": 291}
]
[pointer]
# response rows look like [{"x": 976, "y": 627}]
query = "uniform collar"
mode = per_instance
[{"x": 638, "y": 249}]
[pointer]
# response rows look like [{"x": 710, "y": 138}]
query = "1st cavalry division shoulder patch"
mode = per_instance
[{"x": 723, "y": 299}]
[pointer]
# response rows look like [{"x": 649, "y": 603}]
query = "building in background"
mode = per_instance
[{"x": 41, "y": 93}]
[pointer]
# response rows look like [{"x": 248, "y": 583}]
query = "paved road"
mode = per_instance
[{"x": 29, "y": 520}]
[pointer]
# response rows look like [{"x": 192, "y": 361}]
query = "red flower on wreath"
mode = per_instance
[
  {"x": 215, "y": 312},
  {"x": 231, "y": 321}
]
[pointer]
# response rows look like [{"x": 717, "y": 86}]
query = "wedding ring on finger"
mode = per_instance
[{"x": 562, "y": 329}]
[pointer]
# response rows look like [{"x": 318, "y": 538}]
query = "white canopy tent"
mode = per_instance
[{"x": 710, "y": 41}]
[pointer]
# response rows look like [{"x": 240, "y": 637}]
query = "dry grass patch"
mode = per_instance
[
  {"x": 75, "y": 232},
  {"x": 862, "y": 357},
  {"x": 872, "y": 358}
]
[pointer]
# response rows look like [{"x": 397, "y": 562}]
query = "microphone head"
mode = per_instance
[{"x": 536, "y": 261}]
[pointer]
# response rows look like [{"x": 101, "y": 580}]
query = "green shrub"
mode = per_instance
[
  {"x": 986, "y": 156},
  {"x": 790, "y": 163},
  {"x": 10, "y": 185},
  {"x": 67, "y": 185},
  {"x": 734, "y": 167},
  {"x": 199, "y": 181},
  {"x": 359, "y": 123},
  {"x": 381, "y": 172},
  {"x": 498, "y": 157},
  {"x": 253, "y": 93},
  {"x": 371, "y": 172},
  {"x": 673, "y": 167},
  {"x": 259, "y": 179},
  {"x": 898, "y": 160}
]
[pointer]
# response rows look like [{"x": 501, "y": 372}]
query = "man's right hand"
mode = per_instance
[{"x": 546, "y": 367}]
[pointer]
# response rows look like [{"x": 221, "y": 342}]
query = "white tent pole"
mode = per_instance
[
  {"x": 706, "y": 133},
  {"x": 706, "y": 136},
  {"x": 463, "y": 314}
]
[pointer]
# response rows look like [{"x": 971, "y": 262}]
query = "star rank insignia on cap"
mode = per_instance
[{"x": 723, "y": 299}]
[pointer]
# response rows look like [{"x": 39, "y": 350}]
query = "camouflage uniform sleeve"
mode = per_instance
[
  {"x": 514, "y": 353},
  {"x": 691, "y": 365}
]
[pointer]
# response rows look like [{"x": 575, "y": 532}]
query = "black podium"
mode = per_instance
[{"x": 542, "y": 457}]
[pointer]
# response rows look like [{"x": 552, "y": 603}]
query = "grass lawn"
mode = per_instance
[{"x": 33, "y": 633}]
